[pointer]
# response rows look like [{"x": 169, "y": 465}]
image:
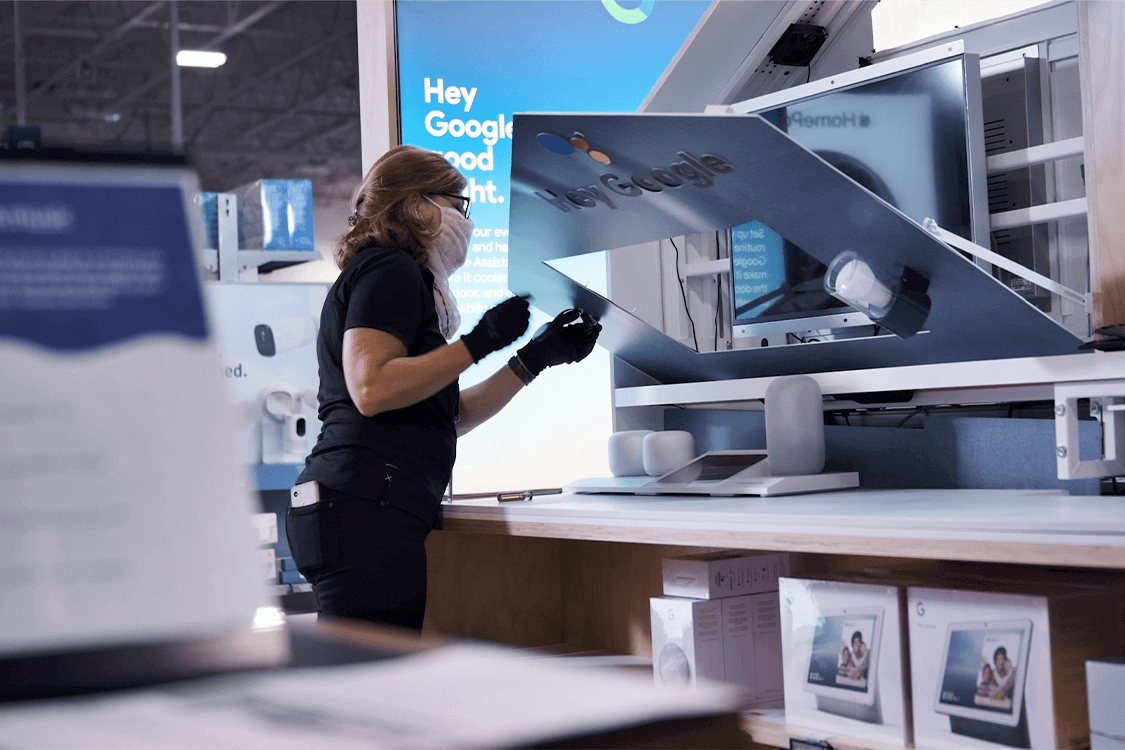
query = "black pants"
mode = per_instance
[{"x": 365, "y": 559}]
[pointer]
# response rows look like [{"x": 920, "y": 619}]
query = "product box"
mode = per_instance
[
  {"x": 269, "y": 564},
  {"x": 275, "y": 215},
  {"x": 843, "y": 647},
  {"x": 752, "y": 647},
  {"x": 1105, "y": 686},
  {"x": 687, "y": 640},
  {"x": 993, "y": 669},
  {"x": 266, "y": 526},
  {"x": 209, "y": 207},
  {"x": 735, "y": 640},
  {"x": 718, "y": 574}
]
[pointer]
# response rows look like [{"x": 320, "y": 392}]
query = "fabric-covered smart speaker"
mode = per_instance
[{"x": 794, "y": 426}]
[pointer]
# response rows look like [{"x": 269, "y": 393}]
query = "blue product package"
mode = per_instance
[
  {"x": 276, "y": 215},
  {"x": 291, "y": 576},
  {"x": 209, "y": 205},
  {"x": 300, "y": 208}
]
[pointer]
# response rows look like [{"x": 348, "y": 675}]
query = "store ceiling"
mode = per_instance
[{"x": 286, "y": 104}]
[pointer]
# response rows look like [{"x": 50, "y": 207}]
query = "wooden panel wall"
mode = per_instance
[
  {"x": 591, "y": 595},
  {"x": 505, "y": 589},
  {"x": 1101, "y": 34},
  {"x": 607, "y": 587}
]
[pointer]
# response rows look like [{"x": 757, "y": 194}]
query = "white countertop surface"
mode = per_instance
[{"x": 990, "y": 516}]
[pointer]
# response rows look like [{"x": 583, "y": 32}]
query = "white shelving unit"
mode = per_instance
[{"x": 1003, "y": 526}]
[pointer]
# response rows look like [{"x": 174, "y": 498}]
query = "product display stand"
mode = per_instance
[
  {"x": 1016, "y": 736},
  {"x": 871, "y": 714}
]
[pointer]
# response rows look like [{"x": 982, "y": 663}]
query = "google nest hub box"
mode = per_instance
[
  {"x": 843, "y": 661},
  {"x": 995, "y": 669}
]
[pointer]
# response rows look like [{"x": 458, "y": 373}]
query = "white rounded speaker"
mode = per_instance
[
  {"x": 794, "y": 426},
  {"x": 661, "y": 452},
  {"x": 625, "y": 453}
]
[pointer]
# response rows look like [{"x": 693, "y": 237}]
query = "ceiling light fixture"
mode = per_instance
[{"x": 195, "y": 58}]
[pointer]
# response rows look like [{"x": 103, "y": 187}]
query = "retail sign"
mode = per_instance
[
  {"x": 458, "y": 96},
  {"x": 118, "y": 445},
  {"x": 464, "y": 70}
]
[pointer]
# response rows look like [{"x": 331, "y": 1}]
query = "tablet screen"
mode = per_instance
[
  {"x": 981, "y": 669},
  {"x": 842, "y": 652}
]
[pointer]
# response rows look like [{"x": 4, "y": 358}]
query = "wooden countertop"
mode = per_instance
[{"x": 1013, "y": 526}]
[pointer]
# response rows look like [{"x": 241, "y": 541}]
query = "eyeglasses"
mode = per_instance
[{"x": 465, "y": 201}]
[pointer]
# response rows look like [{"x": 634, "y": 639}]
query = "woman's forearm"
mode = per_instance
[{"x": 481, "y": 402}]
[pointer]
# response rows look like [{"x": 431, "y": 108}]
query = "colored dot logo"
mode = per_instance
[
  {"x": 566, "y": 146},
  {"x": 629, "y": 15}
]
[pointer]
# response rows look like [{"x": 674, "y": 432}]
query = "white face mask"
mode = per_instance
[
  {"x": 452, "y": 246},
  {"x": 446, "y": 256}
]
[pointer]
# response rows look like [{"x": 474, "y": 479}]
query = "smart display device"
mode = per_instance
[
  {"x": 981, "y": 679},
  {"x": 908, "y": 130},
  {"x": 843, "y": 662}
]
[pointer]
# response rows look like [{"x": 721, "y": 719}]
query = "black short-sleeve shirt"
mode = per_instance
[{"x": 387, "y": 290}]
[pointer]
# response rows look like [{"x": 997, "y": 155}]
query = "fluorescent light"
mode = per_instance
[{"x": 195, "y": 58}]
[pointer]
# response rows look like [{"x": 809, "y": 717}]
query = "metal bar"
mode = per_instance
[
  {"x": 112, "y": 38},
  {"x": 177, "y": 90},
  {"x": 1007, "y": 264},
  {"x": 1024, "y": 217},
  {"x": 1029, "y": 157},
  {"x": 17, "y": 61},
  {"x": 158, "y": 80},
  {"x": 707, "y": 268}
]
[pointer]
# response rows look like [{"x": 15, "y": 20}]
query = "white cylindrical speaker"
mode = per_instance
[
  {"x": 794, "y": 426},
  {"x": 625, "y": 453},
  {"x": 661, "y": 452}
]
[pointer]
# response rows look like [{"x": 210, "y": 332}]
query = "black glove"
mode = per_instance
[
  {"x": 498, "y": 328},
  {"x": 567, "y": 338}
]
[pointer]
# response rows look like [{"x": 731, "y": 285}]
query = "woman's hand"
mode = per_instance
[
  {"x": 570, "y": 337},
  {"x": 498, "y": 328}
]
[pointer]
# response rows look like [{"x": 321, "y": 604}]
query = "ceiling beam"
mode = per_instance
[
  {"x": 106, "y": 43},
  {"x": 238, "y": 28},
  {"x": 241, "y": 160},
  {"x": 305, "y": 110},
  {"x": 199, "y": 117},
  {"x": 286, "y": 151},
  {"x": 351, "y": 122}
]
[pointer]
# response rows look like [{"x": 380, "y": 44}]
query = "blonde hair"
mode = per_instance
[{"x": 390, "y": 210}]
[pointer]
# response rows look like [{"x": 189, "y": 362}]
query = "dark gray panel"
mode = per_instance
[{"x": 773, "y": 179}]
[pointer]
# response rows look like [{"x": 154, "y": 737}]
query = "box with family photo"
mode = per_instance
[
  {"x": 844, "y": 663},
  {"x": 992, "y": 670}
]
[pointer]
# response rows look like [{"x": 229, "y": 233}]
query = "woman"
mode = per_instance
[{"x": 390, "y": 406}]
